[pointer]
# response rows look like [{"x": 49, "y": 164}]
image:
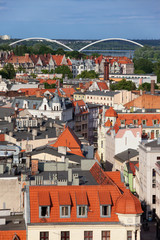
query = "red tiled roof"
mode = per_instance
[
  {"x": 129, "y": 117},
  {"x": 102, "y": 86},
  {"x": 128, "y": 204},
  {"x": 99, "y": 175},
  {"x": 110, "y": 112},
  {"x": 104, "y": 198},
  {"x": 70, "y": 140},
  {"x": 64, "y": 198},
  {"x": 58, "y": 59},
  {"x": 44, "y": 199},
  {"x": 93, "y": 215},
  {"x": 81, "y": 198},
  {"x": 10, "y": 234},
  {"x": 108, "y": 123},
  {"x": 145, "y": 101}
]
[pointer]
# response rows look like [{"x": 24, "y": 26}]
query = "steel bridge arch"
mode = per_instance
[
  {"x": 109, "y": 39},
  {"x": 41, "y": 38}
]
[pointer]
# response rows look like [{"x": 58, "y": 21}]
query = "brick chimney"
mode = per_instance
[
  {"x": 152, "y": 87},
  {"x": 106, "y": 71},
  {"x": 34, "y": 167}
]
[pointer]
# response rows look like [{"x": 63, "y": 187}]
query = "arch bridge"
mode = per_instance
[
  {"x": 93, "y": 43},
  {"x": 110, "y": 39},
  {"x": 39, "y": 38}
]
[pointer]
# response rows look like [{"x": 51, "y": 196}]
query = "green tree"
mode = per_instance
[
  {"x": 125, "y": 85},
  {"x": 64, "y": 70},
  {"x": 88, "y": 74},
  {"x": 143, "y": 65},
  {"x": 49, "y": 86},
  {"x": 10, "y": 70},
  {"x": 147, "y": 86},
  {"x": 4, "y": 73},
  {"x": 156, "y": 70}
]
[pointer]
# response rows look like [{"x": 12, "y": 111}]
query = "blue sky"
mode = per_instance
[{"x": 80, "y": 19}]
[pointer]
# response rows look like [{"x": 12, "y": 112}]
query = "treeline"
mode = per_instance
[
  {"x": 147, "y": 60},
  {"x": 40, "y": 49}
]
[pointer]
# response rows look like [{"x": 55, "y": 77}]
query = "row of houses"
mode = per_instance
[{"x": 36, "y": 63}]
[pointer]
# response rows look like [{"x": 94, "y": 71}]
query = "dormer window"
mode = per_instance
[
  {"x": 82, "y": 211},
  {"x": 65, "y": 204},
  {"x": 143, "y": 122},
  {"x": 105, "y": 204},
  {"x": 82, "y": 204},
  {"x": 65, "y": 211},
  {"x": 105, "y": 210},
  {"x": 44, "y": 204},
  {"x": 44, "y": 211}
]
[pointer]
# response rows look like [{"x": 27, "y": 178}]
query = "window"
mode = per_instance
[
  {"x": 129, "y": 235},
  {"x": 65, "y": 235},
  {"x": 154, "y": 122},
  {"x": 153, "y": 199},
  {"x": 44, "y": 235},
  {"x": 81, "y": 211},
  {"x": 135, "y": 122},
  {"x": 88, "y": 235},
  {"x": 105, "y": 235},
  {"x": 105, "y": 210},
  {"x": 143, "y": 122},
  {"x": 101, "y": 144},
  {"x": 122, "y": 121},
  {"x": 44, "y": 211},
  {"x": 64, "y": 211},
  {"x": 101, "y": 156}
]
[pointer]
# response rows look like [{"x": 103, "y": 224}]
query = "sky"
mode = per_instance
[{"x": 80, "y": 19}]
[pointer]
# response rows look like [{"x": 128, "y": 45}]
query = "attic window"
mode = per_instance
[
  {"x": 105, "y": 204},
  {"x": 65, "y": 204},
  {"x": 105, "y": 210},
  {"x": 44, "y": 204},
  {"x": 82, "y": 204}
]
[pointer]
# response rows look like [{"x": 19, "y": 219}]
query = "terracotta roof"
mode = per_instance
[
  {"x": 64, "y": 198},
  {"x": 10, "y": 234},
  {"x": 44, "y": 199},
  {"x": 81, "y": 198},
  {"x": 129, "y": 117},
  {"x": 58, "y": 59},
  {"x": 110, "y": 112},
  {"x": 70, "y": 140},
  {"x": 102, "y": 86},
  {"x": 108, "y": 123},
  {"x": 93, "y": 215},
  {"x": 100, "y": 176},
  {"x": 128, "y": 204},
  {"x": 145, "y": 101},
  {"x": 104, "y": 198},
  {"x": 134, "y": 131}
]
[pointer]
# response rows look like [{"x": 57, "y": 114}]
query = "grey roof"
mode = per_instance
[
  {"x": 85, "y": 177},
  {"x": 6, "y": 126},
  {"x": 102, "y": 93},
  {"x": 38, "y": 101},
  {"x": 56, "y": 99},
  {"x": 153, "y": 144},
  {"x": 54, "y": 151},
  {"x": 6, "y": 112},
  {"x": 10, "y": 225},
  {"x": 50, "y": 132},
  {"x": 126, "y": 155}
]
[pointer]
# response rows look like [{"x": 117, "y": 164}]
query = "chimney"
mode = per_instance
[
  {"x": 106, "y": 71},
  {"x": 38, "y": 93},
  {"x": 152, "y": 87},
  {"x": 34, "y": 167},
  {"x": 69, "y": 174}
]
